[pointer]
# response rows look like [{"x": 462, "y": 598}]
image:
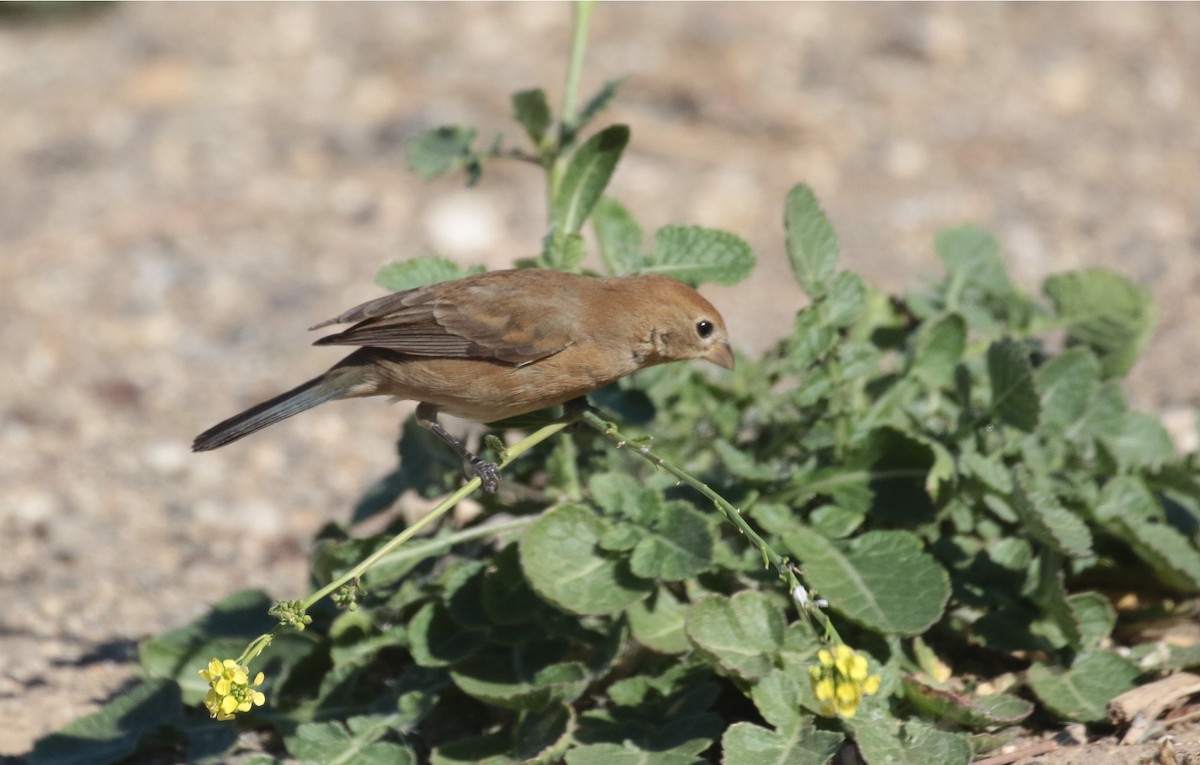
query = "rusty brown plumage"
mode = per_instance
[{"x": 500, "y": 344}]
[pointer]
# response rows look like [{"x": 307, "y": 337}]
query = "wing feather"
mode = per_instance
[{"x": 511, "y": 316}]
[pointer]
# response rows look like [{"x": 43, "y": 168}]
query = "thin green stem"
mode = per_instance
[
  {"x": 784, "y": 567},
  {"x": 442, "y": 508},
  {"x": 581, "y": 15}
]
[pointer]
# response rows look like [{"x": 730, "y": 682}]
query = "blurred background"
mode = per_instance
[{"x": 185, "y": 188}]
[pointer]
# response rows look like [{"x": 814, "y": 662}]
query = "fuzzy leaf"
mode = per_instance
[
  {"x": 798, "y": 744},
  {"x": 1067, "y": 384},
  {"x": 561, "y": 559},
  {"x": 974, "y": 712},
  {"x": 1129, "y": 512},
  {"x": 1140, "y": 443},
  {"x": 696, "y": 255},
  {"x": 417, "y": 272},
  {"x": 619, "y": 236},
  {"x": 1045, "y": 519},
  {"x": 937, "y": 349},
  {"x": 883, "y": 580},
  {"x": 1106, "y": 312},
  {"x": 884, "y": 740},
  {"x": 811, "y": 241},
  {"x": 742, "y": 633},
  {"x": 520, "y": 684},
  {"x": 1094, "y": 617},
  {"x": 658, "y": 622},
  {"x": 531, "y": 109},
  {"x": 990, "y": 470},
  {"x": 1082, "y": 692},
  {"x": 846, "y": 300},
  {"x": 679, "y": 546},
  {"x": 356, "y": 741},
  {"x": 1014, "y": 398},
  {"x": 441, "y": 150},
  {"x": 972, "y": 258},
  {"x": 598, "y": 102},
  {"x": 586, "y": 178}
]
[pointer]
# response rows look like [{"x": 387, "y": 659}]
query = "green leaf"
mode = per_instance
[
  {"x": 629, "y": 753},
  {"x": 1094, "y": 616},
  {"x": 356, "y": 741},
  {"x": 1125, "y": 501},
  {"x": 1014, "y": 398},
  {"x": 436, "y": 640},
  {"x": 883, "y": 580},
  {"x": 884, "y": 740},
  {"x": 417, "y": 272},
  {"x": 619, "y": 237},
  {"x": 1082, "y": 692},
  {"x": 1045, "y": 519},
  {"x": 779, "y": 696},
  {"x": 114, "y": 731},
  {"x": 586, "y": 177},
  {"x": 742, "y": 634},
  {"x": 1106, "y": 312},
  {"x": 744, "y": 465},
  {"x": 846, "y": 300},
  {"x": 811, "y": 242},
  {"x": 696, "y": 255},
  {"x": 544, "y": 735},
  {"x": 1067, "y": 384},
  {"x": 563, "y": 563},
  {"x": 990, "y": 470},
  {"x": 531, "y": 109},
  {"x": 476, "y": 750},
  {"x": 598, "y": 102},
  {"x": 679, "y": 546},
  {"x": 658, "y": 622},
  {"x": 1105, "y": 415},
  {"x": 937, "y": 350},
  {"x": 520, "y": 684},
  {"x": 798, "y": 744},
  {"x": 1128, "y": 512},
  {"x": 562, "y": 251},
  {"x": 441, "y": 150},
  {"x": 1140, "y": 443},
  {"x": 974, "y": 712},
  {"x": 972, "y": 259}
]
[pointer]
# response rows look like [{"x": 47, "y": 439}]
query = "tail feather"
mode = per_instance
[{"x": 269, "y": 412}]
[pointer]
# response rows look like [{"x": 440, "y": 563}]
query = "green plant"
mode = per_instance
[{"x": 963, "y": 495}]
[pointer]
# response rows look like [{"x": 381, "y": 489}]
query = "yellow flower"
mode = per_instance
[
  {"x": 231, "y": 690},
  {"x": 840, "y": 678}
]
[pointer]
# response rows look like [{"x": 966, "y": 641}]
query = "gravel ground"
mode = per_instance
[{"x": 185, "y": 188}]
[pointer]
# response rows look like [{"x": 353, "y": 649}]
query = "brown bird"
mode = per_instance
[{"x": 500, "y": 344}]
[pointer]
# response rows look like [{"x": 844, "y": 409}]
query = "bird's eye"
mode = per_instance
[{"x": 704, "y": 328}]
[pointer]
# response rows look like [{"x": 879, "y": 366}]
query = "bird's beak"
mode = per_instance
[{"x": 721, "y": 355}]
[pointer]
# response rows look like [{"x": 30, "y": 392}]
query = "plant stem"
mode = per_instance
[
  {"x": 785, "y": 569},
  {"x": 442, "y": 508},
  {"x": 609, "y": 431},
  {"x": 581, "y": 14}
]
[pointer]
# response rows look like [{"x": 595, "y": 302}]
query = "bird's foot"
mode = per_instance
[
  {"x": 573, "y": 411},
  {"x": 489, "y": 474}
]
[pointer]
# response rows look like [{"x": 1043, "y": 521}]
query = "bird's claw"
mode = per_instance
[
  {"x": 574, "y": 410},
  {"x": 488, "y": 473}
]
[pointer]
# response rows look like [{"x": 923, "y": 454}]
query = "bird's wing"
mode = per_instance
[{"x": 498, "y": 318}]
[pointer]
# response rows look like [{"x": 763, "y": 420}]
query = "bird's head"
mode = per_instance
[{"x": 686, "y": 326}]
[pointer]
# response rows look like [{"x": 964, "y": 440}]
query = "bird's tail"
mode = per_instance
[{"x": 305, "y": 396}]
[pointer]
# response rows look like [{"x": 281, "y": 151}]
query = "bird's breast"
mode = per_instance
[{"x": 484, "y": 390}]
